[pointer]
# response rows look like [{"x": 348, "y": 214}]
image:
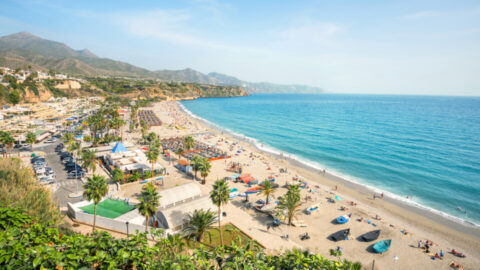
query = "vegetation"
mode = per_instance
[
  {"x": 179, "y": 152},
  {"x": 48, "y": 248},
  {"x": 198, "y": 223},
  {"x": 148, "y": 202},
  {"x": 95, "y": 189},
  {"x": 7, "y": 139},
  {"x": 18, "y": 189},
  {"x": 152, "y": 156},
  {"x": 189, "y": 143},
  {"x": 117, "y": 175},
  {"x": 89, "y": 160},
  {"x": 204, "y": 168},
  {"x": 30, "y": 239},
  {"x": 220, "y": 195},
  {"x": 267, "y": 190},
  {"x": 290, "y": 203},
  {"x": 195, "y": 162},
  {"x": 31, "y": 139}
]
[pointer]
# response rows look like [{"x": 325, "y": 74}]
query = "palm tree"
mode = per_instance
[
  {"x": 149, "y": 202},
  {"x": 152, "y": 156},
  {"x": 220, "y": 196},
  {"x": 88, "y": 160},
  {"x": 290, "y": 203},
  {"x": 267, "y": 190},
  {"x": 31, "y": 139},
  {"x": 95, "y": 189},
  {"x": 189, "y": 143},
  {"x": 68, "y": 138},
  {"x": 179, "y": 152},
  {"x": 8, "y": 140},
  {"x": 205, "y": 167},
  {"x": 195, "y": 162},
  {"x": 151, "y": 137},
  {"x": 198, "y": 223}
]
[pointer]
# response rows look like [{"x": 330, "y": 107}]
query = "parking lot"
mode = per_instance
[{"x": 65, "y": 186}]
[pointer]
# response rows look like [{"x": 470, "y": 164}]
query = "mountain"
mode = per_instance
[
  {"x": 23, "y": 49},
  {"x": 264, "y": 87}
]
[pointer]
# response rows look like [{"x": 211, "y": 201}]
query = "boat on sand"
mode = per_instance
[{"x": 382, "y": 246}]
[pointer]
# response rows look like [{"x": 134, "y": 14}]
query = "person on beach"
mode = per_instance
[
  {"x": 336, "y": 187},
  {"x": 381, "y": 196}
]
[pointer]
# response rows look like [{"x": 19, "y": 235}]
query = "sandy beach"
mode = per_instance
[{"x": 403, "y": 224}]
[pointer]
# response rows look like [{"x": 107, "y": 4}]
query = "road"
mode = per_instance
[{"x": 65, "y": 186}]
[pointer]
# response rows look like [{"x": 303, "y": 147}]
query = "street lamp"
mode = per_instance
[{"x": 126, "y": 222}]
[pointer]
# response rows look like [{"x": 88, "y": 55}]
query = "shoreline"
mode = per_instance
[
  {"x": 405, "y": 227},
  {"x": 452, "y": 222}
]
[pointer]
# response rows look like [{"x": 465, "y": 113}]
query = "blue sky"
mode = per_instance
[{"x": 391, "y": 47}]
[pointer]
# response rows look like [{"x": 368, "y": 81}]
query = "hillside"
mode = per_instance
[
  {"x": 23, "y": 50},
  {"x": 32, "y": 90}
]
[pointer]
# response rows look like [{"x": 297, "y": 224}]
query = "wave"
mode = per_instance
[{"x": 320, "y": 167}]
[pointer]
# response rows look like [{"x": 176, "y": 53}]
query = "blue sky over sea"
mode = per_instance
[{"x": 389, "y": 47}]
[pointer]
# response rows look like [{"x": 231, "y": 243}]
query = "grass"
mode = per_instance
[
  {"x": 109, "y": 208},
  {"x": 230, "y": 233}
]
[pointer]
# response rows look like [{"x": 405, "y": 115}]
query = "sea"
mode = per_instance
[{"x": 423, "y": 147}]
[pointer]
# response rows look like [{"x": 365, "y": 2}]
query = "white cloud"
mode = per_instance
[
  {"x": 421, "y": 14},
  {"x": 315, "y": 32}
]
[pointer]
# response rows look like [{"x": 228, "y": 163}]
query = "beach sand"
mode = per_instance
[{"x": 394, "y": 217}]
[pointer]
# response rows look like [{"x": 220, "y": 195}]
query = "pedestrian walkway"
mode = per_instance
[{"x": 271, "y": 240}]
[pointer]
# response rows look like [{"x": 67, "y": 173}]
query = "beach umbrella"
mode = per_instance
[{"x": 338, "y": 198}]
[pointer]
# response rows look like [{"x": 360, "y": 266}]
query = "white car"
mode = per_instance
[
  {"x": 46, "y": 178},
  {"x": 40, "y": 170}
]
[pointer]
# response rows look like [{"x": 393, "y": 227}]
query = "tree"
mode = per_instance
[
  {"x": 117, "y": 175},
  {"x": 14, "y": 97},
  {"x": 220, "y": 195},
  {"x": 267, "y": 190},
  {"x": 68, "y": 138},
  {"x": 149, "y": 202},
  {"x": 189, "y": 143},
  {"x": 198, "y": 223},
  {"x": 205, "y": 167},
  {"x": 95, "y": 189},
  {"x": 144, "y": 128},
  {"x": 31, "y": 139},
  {"x": 7, "y": 139},
  {"x": 290, "y": 203},
  {"x": 88, "y": 160},
  {"x": 151, "y": 137},
  {"x": 179, "y": 152},
  {"x": 152, "y": 156},
  {"x": 195, "y": 162}
]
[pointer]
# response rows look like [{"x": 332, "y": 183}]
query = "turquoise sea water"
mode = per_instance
[{"x": 425, "y": 147}]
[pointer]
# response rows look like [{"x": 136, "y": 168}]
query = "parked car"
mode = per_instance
[
  {"x": 39, "y": 170},
  {"x": 67, "y": 160},
  {"x": 37, "y": 158},
  {"x": 75, "y": 176},
  {"x": 40, "y": 163},
  {"x": 47, "y": 182},
  {"x": 51, "y": 140},
  {"x": 74, "y": 168}
]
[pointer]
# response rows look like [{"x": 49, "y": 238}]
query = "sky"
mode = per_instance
[{"x": 343, "y": 46}]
